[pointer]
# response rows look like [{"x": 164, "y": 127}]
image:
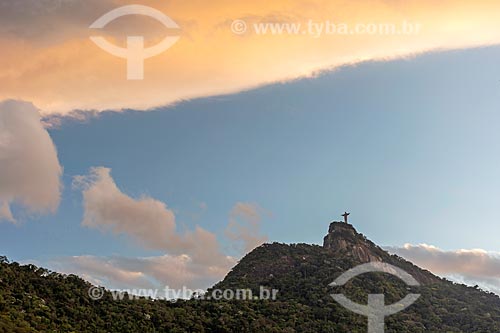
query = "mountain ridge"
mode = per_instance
[
  {"x": 33, "y": 299},
  {"x": 344, "y": 242}
]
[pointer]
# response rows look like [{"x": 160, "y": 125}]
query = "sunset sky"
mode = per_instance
[{"x": 234, "y": 138}]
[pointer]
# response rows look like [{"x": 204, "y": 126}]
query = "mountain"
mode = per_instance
[{"x": 33, "y": 299}]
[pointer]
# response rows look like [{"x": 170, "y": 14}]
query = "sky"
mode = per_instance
[
  {"x": 59, "y": 69},
  {"x": 234, "y": 140}
]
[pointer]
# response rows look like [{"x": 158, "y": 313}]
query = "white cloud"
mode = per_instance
[
  {"x": 244, "y": 225},
  {"x": 101, "y": 271},
  {"x": 191, "y": 255},
  {"x": 5, "y": 213},
  {"x": 143, "y": 272},
  {"x": 147, "y": 220},
  {"x": 29, "y": 168},
  {"x": 466, "y": 266}
]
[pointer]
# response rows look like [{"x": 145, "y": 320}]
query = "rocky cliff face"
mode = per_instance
[
  {"x": 343, "y": 238},
  {"x": 343, "y": 241}
]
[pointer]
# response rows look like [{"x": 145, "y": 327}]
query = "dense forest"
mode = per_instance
[{"x": 33, "y": 299}]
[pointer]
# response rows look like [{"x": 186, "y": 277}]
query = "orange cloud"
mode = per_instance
[{"x": 47, "y": 57}]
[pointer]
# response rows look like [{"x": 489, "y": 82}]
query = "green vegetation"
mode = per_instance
[{"x": 33, "y": 299}]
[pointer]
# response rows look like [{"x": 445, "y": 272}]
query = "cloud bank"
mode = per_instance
[
  {"x": 465, "y": 266},
  {"x": 48, "y": 58},
  {"x": 29, "y": 167}
]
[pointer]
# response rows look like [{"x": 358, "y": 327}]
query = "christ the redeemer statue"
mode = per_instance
[{"x": 345, "y": 215}]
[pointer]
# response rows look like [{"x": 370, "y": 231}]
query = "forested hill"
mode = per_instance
[{"x": 33, "y": 299}]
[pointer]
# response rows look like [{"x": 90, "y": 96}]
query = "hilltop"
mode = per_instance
[{"x": 33, "y": 299}]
